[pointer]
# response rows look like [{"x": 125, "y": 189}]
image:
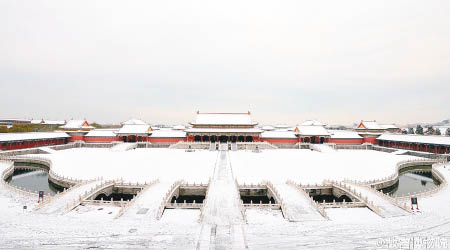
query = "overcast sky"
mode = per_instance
[{"x": 285, "y": 61}]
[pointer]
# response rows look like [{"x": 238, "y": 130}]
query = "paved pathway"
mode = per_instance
[{"x": 222, "y": 220}]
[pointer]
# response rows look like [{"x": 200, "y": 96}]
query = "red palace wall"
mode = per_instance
[
  {"x": 166, "y": 140},
  {"x": 31, "y": 144},
  {"x": 76, "y": 138},
  {"x": 346, "y": 141},
  {"x": 100, "y": 139},
  {"x": 372, "y": 140},
  {"x": 280, "y": 140}
]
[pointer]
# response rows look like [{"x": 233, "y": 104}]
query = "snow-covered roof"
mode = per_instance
[
  {"x": 344, "y": 134},
  {"x": 281, "y": 126},
  {"x": 268, "y": 128},
  {"x": 278, "y": 134},
  {"x": 164, "y": 133},
  {"x": 179, "y": 127},
  {"x": 389, "y": 126},
  {"x": 311, "y": 130},
  {"x": 369, "y": 125},
  {"x": 134, "y": 122},
  {"x": 223, "y": 119},
  {"x": 135, "y": 129},
  {"x": 31, "y": 136},
  {"x": 102, "y": 133},
  {"x": 223, "y": 130},
  {"x": 77, "y": 124},
  {"x": 312, "y": 123},
  {"x": 427, "y": 139}
]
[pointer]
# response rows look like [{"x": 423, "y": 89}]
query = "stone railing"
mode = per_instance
[
  {"x": 60, "y": 194},
  {"x": 343, "y": 204},
  {"x": 365, "y": 146},
  {"x": 205, "y": 201},
  {"x": 255, "y": 145},
  {"x": 251, "y": 185},
  {"x": 71, "y": 205},
  {"x": 6, "y": 174},
  {"x": 123, "y": 209},
  {"x": 438, "y": 175},
  {"x": 190, "y": 145},
  {"x": 184, "y": 205},
  {"x": 239, "y": 201},
  {"x": 62, "y": 181},
  {"x": 315, "y": 204},
  {"x": 167, "y": 197},
  {"x": 391, "y": 179},
  {"x": 348, "y": 189},
  {"x": 312, "y": 186},
  {"x": 102, "y": 202},
  {"x": 379, "y": 193},
  {"x": 277, "y": 195}
]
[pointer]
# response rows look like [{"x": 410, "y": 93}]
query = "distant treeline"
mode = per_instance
[{"x": 28, "y": 128}]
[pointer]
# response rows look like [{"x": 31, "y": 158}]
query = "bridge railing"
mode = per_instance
[
  {"x": 167, "y": 197},
  {"x": 123, "y": 209},
  {"x": 315, "y": 204}
]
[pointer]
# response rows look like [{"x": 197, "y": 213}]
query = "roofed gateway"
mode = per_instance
[{"x": 223, "y": 127}]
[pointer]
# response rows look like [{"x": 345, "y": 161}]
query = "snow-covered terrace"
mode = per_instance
[
  {"x": 426, "y": 139},
  {"x": 146, "y": 164}
]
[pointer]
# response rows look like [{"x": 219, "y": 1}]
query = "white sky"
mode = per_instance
[{"x": 286, "y": 61}]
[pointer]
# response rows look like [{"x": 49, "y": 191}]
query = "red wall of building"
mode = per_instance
[
  {"x": 31, "y": 144},
  {"x": 166, "y": 140},
  {"x": 346, "y": 141},
  {"x": 280, "y": 140},
  {"x": 100, "y": 139},
  {"x": 372, "y": 140},
  {"x": 76, "y": 138}
]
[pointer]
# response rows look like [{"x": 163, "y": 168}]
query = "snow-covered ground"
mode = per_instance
[
  {"x": 310, "y": 167},
  {"x": 137, "y": 165},
  {"x": 348, "y": 228}
]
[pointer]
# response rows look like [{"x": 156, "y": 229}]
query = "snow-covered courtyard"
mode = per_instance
[{"x": 218, "y": 225}]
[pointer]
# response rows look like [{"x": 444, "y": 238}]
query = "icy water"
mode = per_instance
[
  {"x": 410, "y": 182},
  {"x": 36, "y": 180}
]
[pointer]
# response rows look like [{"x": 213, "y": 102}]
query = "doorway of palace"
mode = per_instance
[
  {"x": 131, "y": 138},
  {"x": 223, "y": 139}
]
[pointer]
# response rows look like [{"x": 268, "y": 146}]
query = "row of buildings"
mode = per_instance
[{"x": 224, "y": 128}]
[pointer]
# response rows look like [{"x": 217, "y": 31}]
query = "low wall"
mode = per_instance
[
  {"x": 97, "y": 145},
  {"x": 392, "y": 179},
  {"x": 354, "y": 147},
  {"x": 46, "y": 164}
]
